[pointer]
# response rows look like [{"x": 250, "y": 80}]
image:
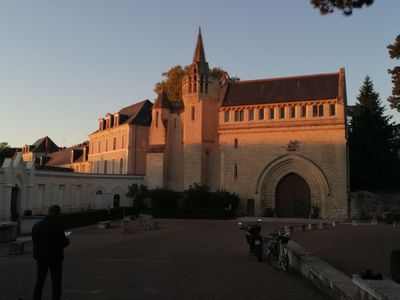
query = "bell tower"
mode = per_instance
[{"x": 200, "y": 93}]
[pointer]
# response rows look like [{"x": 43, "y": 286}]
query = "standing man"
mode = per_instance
[{"x": 49, "y": 241}]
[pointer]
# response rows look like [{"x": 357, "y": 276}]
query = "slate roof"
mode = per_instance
[
  {"x": 44, "y": 144},
  {"x": 137, "y": 114},
  {"x": 278, "y": 90},
  {"x": 63, "y": 156}
]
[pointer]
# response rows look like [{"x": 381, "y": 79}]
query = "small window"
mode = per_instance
[
  {"x": 239, "y": 115},
  {"x": 303, "y": 111},
  {"x": 281, "y": 113},
  {"x": 315, "y": 110},
  {"x": 98, "y": 167},
  {"x": 318, "y": 110},
  {"x": 226, "y": 116},
  {"x": 271, "y": 113},
  {"x": 332, "y": 109},
  {"x": 105, "y": 167},
  {"x": 251, "y": 114},
  {"x": 114, "y": 143},
  {"x": 235, "y": 171},
  {"x": 321, "y": 110},
  {"x": 193, "y": 113},
  {"x": 236, "y": 143},
  {"x": 261, "y": 114},
  {"x": 106, "y": 145},
  {"x": 157, "y": 119},
  {"x": 292, "y": 111}
]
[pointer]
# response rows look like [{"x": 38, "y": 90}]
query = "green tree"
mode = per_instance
[
  {"x": 373, "y": 144},
  {"x": 394, "y": 52},
  {"x": 346, "y": 6},
  {"x": 172, "y": 83}
]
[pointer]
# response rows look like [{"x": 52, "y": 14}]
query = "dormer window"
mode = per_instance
[
  {"x": 116, "y": 120},
  {"x": 101, "y": 124}
]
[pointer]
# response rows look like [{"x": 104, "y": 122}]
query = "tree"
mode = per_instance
[
  {"x": 172, "y": 83},
  {"x": 346, "y": 6},
  {"x": 394, "y": 52},
  {"x": 5, "y": 151},
  {"x": 373, "y": 144}
]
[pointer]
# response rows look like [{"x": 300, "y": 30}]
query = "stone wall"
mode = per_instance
[{"x": 366, "y": 205}]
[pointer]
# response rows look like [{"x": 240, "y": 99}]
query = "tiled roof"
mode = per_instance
[{"x": 278, "y": 90}]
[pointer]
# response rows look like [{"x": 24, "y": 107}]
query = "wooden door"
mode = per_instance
[{"x": 293, "y": 197}]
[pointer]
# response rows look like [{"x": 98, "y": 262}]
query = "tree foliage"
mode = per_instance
[
  {"x": 172, "y": 84},
  {"x": 394, "y": 52},
  {"x": 346, "y": 6},
  {"x": 373, "y": 144},
  {"x": 5, "y": 151}
]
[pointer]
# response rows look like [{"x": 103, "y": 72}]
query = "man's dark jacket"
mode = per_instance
[{"x": 49, "y": 240}]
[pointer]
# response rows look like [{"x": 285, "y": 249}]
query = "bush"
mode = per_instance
[
  {"x": 200, "y": 196},
  {"x": 164, "y": 198},
  {"x": 269, "y": 212},
  {"x": 395, "y": 265},
  {"x": 393, "y": 216},
  {"x": 90, "y": 217},
  {"x": 196, "y": 213}
]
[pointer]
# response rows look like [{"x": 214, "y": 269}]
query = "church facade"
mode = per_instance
[{"x": 279, "y": 143}]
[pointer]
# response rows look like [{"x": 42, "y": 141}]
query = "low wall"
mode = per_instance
[
  {"x": 27, "y": 224},
  {"x": 366, "y": 205},
  {"x": 8, "y": 232}
]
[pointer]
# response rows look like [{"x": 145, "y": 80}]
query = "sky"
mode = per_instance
[{"x": 65, "y": 64}]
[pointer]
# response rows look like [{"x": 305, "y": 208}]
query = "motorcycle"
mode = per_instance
[{"x": 254, "y": 239}]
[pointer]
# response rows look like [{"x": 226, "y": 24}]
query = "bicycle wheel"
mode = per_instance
[
  {"x": 284, "y": 263},
  {"x": 273, "y": 260}
]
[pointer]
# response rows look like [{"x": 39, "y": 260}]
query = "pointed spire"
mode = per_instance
[{"x": 199, "y": 55}]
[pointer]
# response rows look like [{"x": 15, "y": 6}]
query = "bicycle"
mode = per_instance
[{"x": 278, "y": 254}]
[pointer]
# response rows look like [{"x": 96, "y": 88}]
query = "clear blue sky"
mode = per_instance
[{"x": 64, "y": 64}]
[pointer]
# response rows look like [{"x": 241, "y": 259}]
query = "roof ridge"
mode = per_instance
[{"x": 282, "y": 78}]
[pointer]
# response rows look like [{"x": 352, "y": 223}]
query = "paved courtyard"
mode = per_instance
[
  {"x": 184, "y": 259},
  {"x": 353, "y": 249}
]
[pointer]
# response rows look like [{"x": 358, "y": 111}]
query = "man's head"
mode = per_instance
[{"x": 54, "y": 211}]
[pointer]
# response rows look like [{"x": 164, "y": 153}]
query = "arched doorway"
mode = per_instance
[
  {"x": 14, "y": 207},
  {"x": 116, "y": 201},
  {"x": 293, "y": 197}
]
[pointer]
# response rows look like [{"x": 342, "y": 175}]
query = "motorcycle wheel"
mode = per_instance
[{"x": 273, "y": 260}]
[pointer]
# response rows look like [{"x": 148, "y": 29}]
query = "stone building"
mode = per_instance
[
  {"x": 279, "y": 143},
  {"x": 25, "y": 186},
  {"x": 119, "y": 145}
]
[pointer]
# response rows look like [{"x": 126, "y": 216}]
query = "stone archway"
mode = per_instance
[
  {"x": 293, "y": 197},
  {"x": 275, "y": 171}
]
